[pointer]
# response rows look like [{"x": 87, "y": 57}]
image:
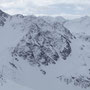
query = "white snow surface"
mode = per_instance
[
  {"x": 9, "y": 85},
  {"x": 80, "y": 25}
]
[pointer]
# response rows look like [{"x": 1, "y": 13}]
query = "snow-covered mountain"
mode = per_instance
[
  {"x": 79, "y": 25},
  {"x": 42, "y": 53}
]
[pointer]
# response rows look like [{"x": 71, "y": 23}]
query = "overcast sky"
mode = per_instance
[{"x": 66, "y": 8}]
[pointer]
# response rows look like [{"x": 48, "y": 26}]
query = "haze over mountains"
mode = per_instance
[{"x": 44, "y": 53}]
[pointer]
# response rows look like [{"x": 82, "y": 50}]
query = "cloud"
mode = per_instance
[
  {"x": 18, "y": 6},
  {"x": 47, "y": 7},
  {"x": 64, "y": 8},
  {"x": 74, "y": 1}
]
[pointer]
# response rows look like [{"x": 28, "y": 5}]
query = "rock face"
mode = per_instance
[
  {"x": 3, "y": 17},
  {"x": 44, "y": 43},
  {"x": 81, "y": 81}
]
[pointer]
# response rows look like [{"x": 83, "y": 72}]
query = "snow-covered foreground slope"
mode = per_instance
[
  {"x": 42, "y": 54},
  {"x": 9, "y": 85}
]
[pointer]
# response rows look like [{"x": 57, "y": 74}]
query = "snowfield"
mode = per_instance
[{"x": 9, "y": 85}]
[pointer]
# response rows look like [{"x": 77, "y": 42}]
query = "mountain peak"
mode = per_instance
[
  {"x": 3, "y": 14},
  {"x": 3, "y": 17},
  {"x": 1, "y": 10}
]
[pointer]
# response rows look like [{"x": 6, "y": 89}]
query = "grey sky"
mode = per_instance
[{"x": 67, "y": 8}]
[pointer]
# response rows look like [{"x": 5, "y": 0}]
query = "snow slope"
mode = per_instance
[
  {"x": 9, "y": 85},
  {"x": 79, "y": 25}
]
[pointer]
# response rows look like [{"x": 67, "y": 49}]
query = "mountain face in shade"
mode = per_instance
[
  {"x": 3, "y": 14},
  {"x": 3, "y": 17},
  {"x": 44, "y": 53}
]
